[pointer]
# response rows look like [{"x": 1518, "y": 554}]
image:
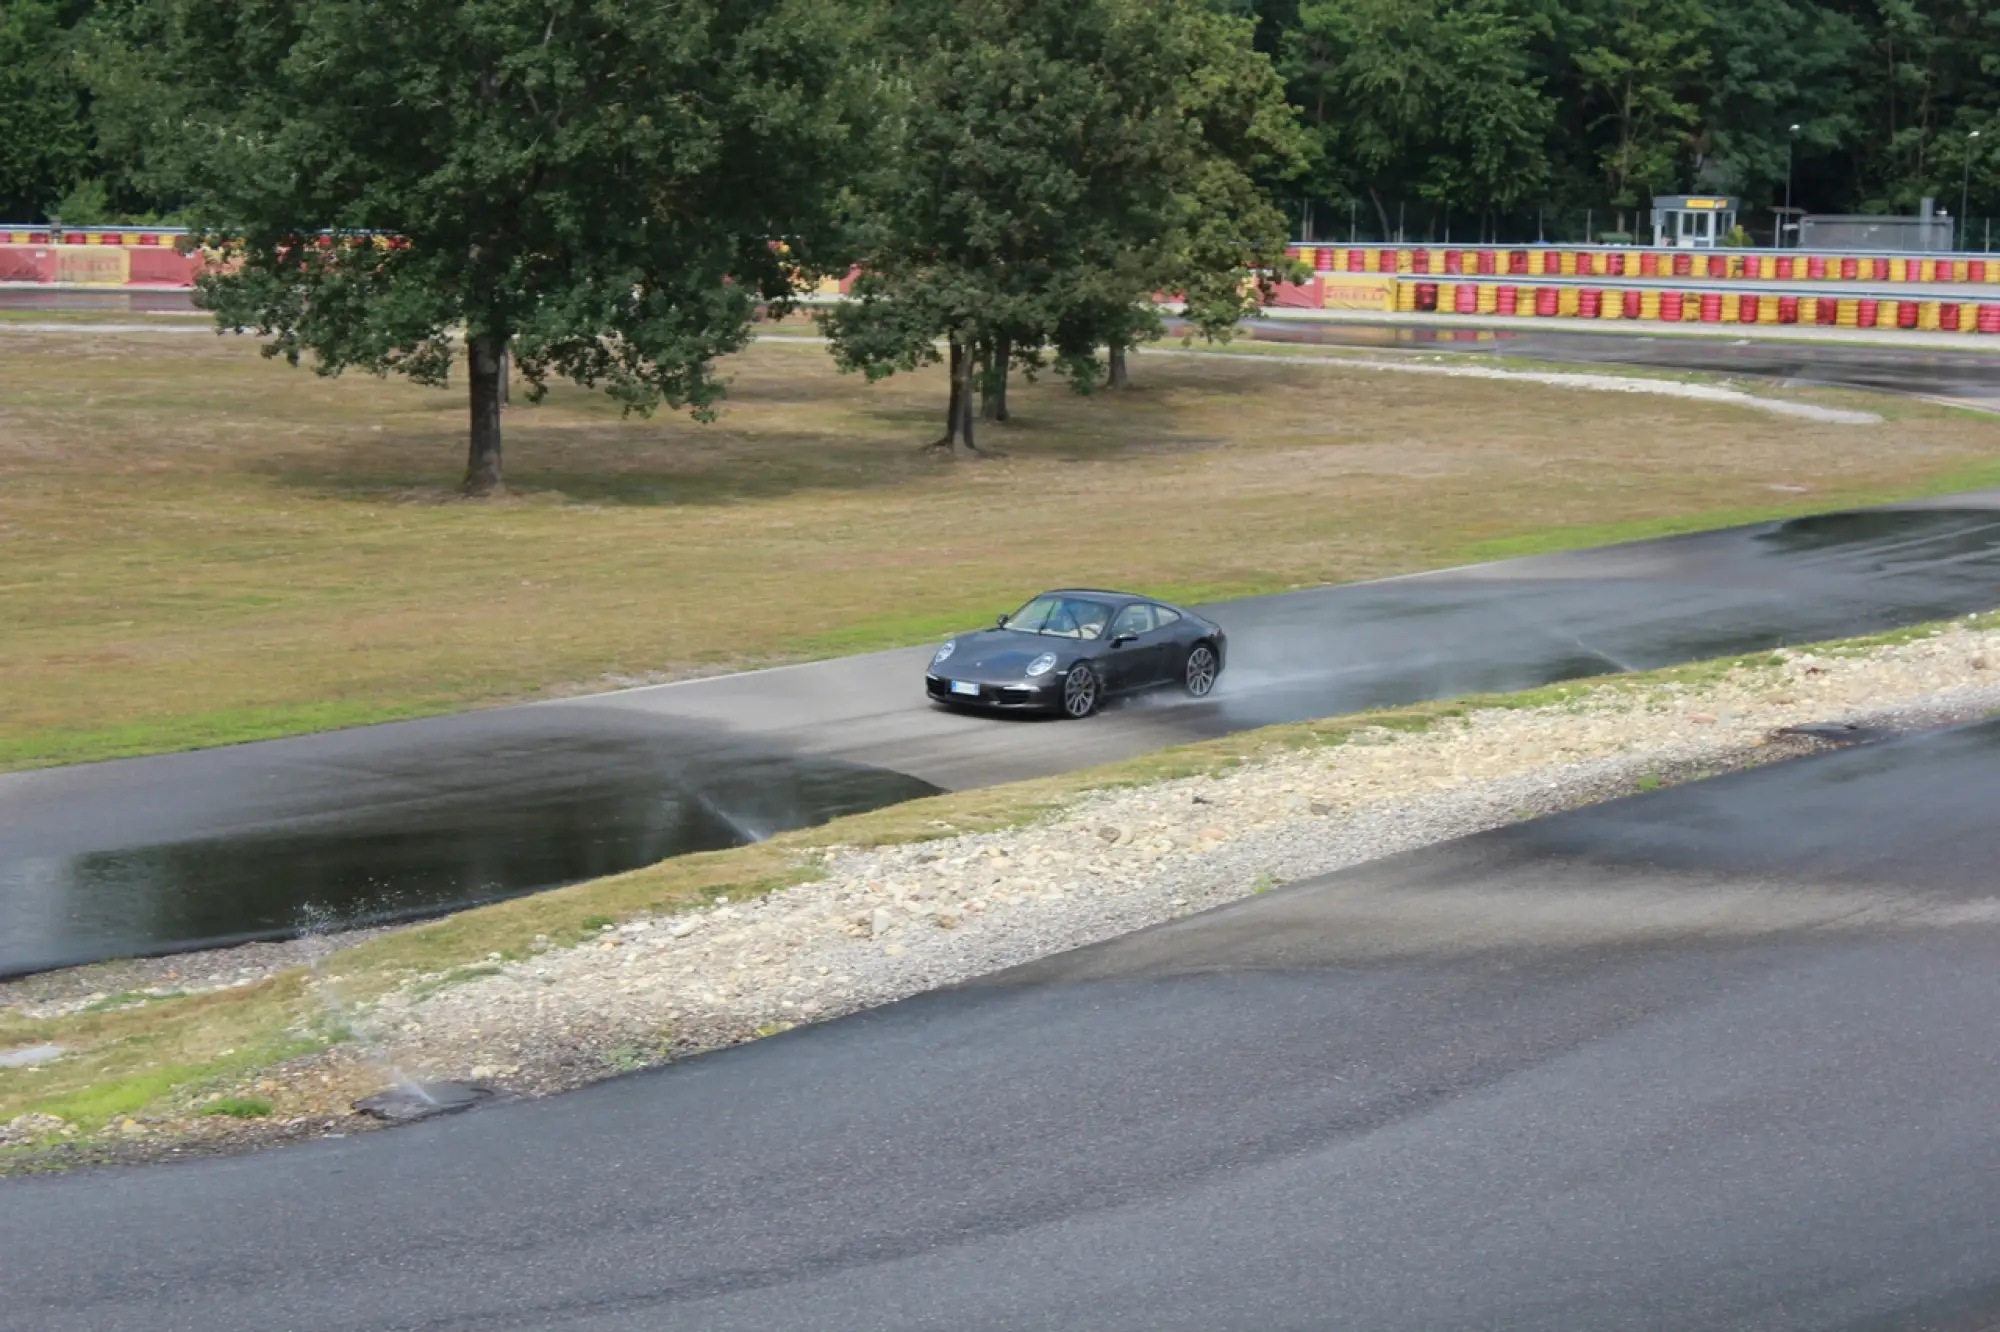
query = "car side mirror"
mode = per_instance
[
  {"x": 1001, "y": 623},
  {"x": 1121, "y": 640}
]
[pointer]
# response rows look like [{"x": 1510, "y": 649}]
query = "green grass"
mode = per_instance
[
  {"x": 268, "y": 553},
  {"x": 97, "y": 1104},
  {"x": 457, "y": 975},
  {"x": 1981, "y": 476},
  {"x": 128, "y": 999},
  {"x": 204, "y": 730},
  {"x": 239, "y": 1107}
]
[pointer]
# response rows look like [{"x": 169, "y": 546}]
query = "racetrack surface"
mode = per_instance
[
  {"x": 1961, "y": 377},
  {"x": 1714, "y": 1057},
  {"x": 158, "y": 854}
]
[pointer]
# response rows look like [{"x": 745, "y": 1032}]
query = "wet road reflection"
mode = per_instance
[
  {"x": 1528, "y": 623},
  {"x": 483, "y": 826}
]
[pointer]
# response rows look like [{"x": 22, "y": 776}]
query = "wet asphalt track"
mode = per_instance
[
  {"x": 157, "y": 854},
  {"x": 1715, "y": 1057},
  {"x": 1966, "y": 378}
]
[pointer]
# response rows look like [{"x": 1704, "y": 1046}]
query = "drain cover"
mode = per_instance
[
  {"x": 29, "y": 1056},
  {"x": 422, "y": 1100},
  {"x": 1836, "y": 733}
]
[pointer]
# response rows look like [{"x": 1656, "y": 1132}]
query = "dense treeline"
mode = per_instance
[
  {"x": 1481, "y": 115},
  {"x": 1500, "y": 109}
]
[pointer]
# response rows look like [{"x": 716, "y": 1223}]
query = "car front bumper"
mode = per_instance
[{"x": 1044, "y": 695}]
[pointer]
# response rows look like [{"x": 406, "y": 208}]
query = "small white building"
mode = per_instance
[{"x": 1693, "y": 221}]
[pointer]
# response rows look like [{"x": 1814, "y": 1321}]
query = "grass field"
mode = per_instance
[{"x": 201, "y": 546}]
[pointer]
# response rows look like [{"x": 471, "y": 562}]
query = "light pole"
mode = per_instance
[
  {"x": 1965, "y": 187},
  {"x": 1790, "y": 139}
]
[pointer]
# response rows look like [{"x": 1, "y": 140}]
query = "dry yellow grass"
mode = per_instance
[{"x": 202, "y": 546}]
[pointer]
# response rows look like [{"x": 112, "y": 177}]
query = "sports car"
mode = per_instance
[{"x": 1067, "y": 651}]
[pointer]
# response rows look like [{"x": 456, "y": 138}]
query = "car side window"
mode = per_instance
[
  {"x": 1162, "y": 617},
  {"x": 1133, "y": 620}
]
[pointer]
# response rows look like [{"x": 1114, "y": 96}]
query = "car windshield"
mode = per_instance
[{"x": 1063, "y": 617}]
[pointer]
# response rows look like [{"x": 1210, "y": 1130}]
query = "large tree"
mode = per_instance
[
  {"x": 596, "y": 190},
  {"x": 1642, "y": 71},
  {"x": 1051, "y": 166},
  {"x": 45, "y": 134},
  {"x": 1419, "y": 99}
]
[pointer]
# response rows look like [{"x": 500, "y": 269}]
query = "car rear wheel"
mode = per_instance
[
  {"x": 1202, "y": 668},
  {"x": 1080, "y": 691}
]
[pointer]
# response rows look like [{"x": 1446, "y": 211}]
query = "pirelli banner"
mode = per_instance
[
  {"x": 93, "y": 265},
  {"x": 1342, "y": 291}
]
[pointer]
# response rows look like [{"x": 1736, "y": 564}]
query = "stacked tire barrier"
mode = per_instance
[
  {"x": 147, "y": 258},
  {"x": 1606, "y": 284},
  {"x": 1937, "y": 294},
  {"x": 1918, "y": 313},
  {"x": 1699, "y": 265}
]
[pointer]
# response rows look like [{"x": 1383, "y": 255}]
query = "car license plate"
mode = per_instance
[{"x": 964, "y": 687}]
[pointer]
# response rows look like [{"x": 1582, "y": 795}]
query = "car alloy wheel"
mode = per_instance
[
  {"x": 1201, "y": 670},
  {"x": 1079, "y": 692}
]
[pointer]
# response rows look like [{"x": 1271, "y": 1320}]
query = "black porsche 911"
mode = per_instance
[{"x": 1067, "y": 651}]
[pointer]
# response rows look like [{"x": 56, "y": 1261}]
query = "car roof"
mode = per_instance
[
  {"x": 1094, "y": 592},
  {"x": 1119, "y": 598}
]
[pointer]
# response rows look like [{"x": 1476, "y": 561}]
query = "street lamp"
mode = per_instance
[
  {"x": 1965, "y": 186},
  {"x": 1790, "y": 139}
]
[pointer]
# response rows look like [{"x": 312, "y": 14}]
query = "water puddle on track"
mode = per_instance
[{"x": 558, "y": 817}]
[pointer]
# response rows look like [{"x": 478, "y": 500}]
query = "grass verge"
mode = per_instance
[
  {"x": 172, "y": 1052},
  {"x": 204, "y": 547}
]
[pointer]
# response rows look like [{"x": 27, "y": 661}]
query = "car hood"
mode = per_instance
[{"x": 997, "y": 654}]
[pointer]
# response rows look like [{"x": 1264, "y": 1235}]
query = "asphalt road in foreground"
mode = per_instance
[
  {"x": 158, "y": 854},
  {"x": 1715, "y": 1057}
]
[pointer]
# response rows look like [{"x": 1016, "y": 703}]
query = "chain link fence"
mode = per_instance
[{"x": 1406, "y": 222}]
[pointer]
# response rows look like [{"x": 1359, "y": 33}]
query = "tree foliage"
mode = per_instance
[
  {"x": 1057, "y": 163},
  {"x": 45, "y": 125},
  {"x": 1512, "y": 106},
  {"x": 1419, "y": 99},
  {"x": 593, "y": 188}
]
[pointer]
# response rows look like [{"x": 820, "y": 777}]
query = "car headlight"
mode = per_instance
[
  {"x": 944, "y": 652},
  {"x": 1043, "y": 664}
]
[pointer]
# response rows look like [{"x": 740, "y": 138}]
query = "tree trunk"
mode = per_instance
[
  {"x": 962, "y": 438},
  {"x": 482, "y": 460},
  {"x": 1121, "y": 377},
  {"x": 951, "y": 412},
  {"x": 506, "y": 375},
  {"x": 1381, "y": 213},
  {"x": 993, "y": 391},
  {"x": 963, "y": 409}
]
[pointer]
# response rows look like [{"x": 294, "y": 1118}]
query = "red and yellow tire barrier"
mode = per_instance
[
  {"x": 1703, "y": 265},
  {"x": 1377, "y": 292}
]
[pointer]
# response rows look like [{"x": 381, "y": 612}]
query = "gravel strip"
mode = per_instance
[
  {"x": 130, "y": 981},
  {"x": 1587, "y": 381},
  {"x": 886, "y": 923}
]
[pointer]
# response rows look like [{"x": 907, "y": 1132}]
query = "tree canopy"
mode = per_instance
[
  {"x": 1500, "y": 108},
  {"x": 1057, "y": 163},
  {"x": 596, "y": 190}
]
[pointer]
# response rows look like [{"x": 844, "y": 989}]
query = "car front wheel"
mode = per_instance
[
  {"x": 1081, "y": 691},
  {"x": 1202, "y": 668}
]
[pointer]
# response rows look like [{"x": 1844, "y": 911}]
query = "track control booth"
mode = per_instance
[{"x": 1692, "y": 221}]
